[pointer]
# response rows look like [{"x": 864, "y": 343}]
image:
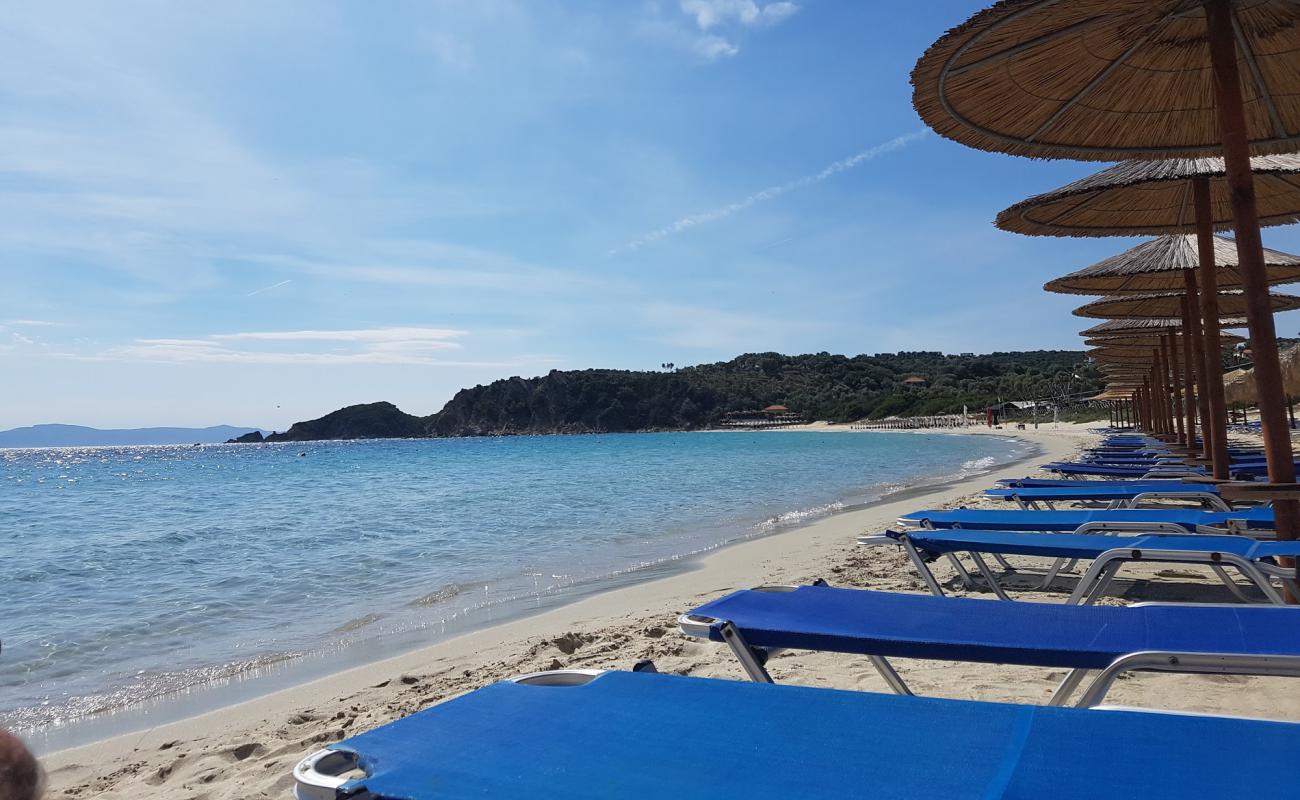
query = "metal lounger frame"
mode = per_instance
[
  {"x": 1094, "y": 583},
  {"x": 752, "y": 660}
]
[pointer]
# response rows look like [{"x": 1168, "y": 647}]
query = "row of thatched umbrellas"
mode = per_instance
[{"x": 1185, "y": 92}]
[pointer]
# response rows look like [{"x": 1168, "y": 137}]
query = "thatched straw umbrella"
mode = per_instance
[
  {"x": 1179, "y": 361},
  {"x": 1156, "y": 195},
  {"x": 1147, "y": 327},
  {"x": 1114, "y": 79},
  {"x": 1160, "y": 368},
  {"x": 1157, "y": 305}
]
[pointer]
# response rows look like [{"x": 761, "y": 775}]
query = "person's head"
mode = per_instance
[{"x": 21, "y": 777}]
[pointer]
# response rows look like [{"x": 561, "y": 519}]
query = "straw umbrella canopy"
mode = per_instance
[
  {"x": 1159, "y": 265},
  {"x": 1113, "y": 79},
  {"x": 1138, "y": 337},
  {"x": 1169, "y": 263},
  {"x": 1119, "y": 354},
  {"x": 1154, "y": 305},
  {"x": 1101, "y": 80},
  {"x": 1147, "y": 327},
  {"x": 1168, "y": 197},
  {"x": 1150, "y": 198}
]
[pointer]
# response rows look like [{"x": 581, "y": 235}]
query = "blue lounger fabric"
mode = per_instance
[
  {"x": 959, "y": 629},
  {"x": 647, "y": 735},
  {"x": 1027, "y": 483},
  {"x": 1083, "y": 545},
  {"x": 1069, "y": 493},
  {"x": 1015, "y": 520}
]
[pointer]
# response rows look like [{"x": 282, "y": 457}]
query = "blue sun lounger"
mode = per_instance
[
  {"x": 1119, "y": 496},
  {"x": 1255, "y": 560},
  {"x": 1235, "y": 639},
  {"x": 628, "y": 734},
  {"x": 1106, "y": 471},
  {"x": 1129, "y": 520},
  {"x": 1028, "y": 483}
]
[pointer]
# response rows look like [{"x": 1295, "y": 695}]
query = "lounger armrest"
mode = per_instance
[
  {"x": 1259, "y": 492},
  {"x": 878, "y": 538},
  {"x": 1189, "y": 663}
]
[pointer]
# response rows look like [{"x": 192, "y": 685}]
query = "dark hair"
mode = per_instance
[{"x": 21, "y": 777}]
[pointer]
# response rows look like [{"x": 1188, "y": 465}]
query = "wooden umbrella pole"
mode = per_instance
[
  {"x": 1178, "y": 379},
  {"x": 1192, "y": 326},
  {"x": 1173, "y": 406},
  {"x": 1160, "y": 385},
  {"x": 1250, "y": 257},
  {"x": 1189, "y": 377},
  {"x": 1213, "y": 349}
]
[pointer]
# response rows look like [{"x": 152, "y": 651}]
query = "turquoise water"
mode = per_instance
[{"x": 134, "y": 573}]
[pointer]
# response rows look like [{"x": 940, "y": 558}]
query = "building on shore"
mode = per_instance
[{"x": 774, "y": 416}]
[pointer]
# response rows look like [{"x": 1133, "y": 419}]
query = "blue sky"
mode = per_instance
[{"x": 254, "y": 213}]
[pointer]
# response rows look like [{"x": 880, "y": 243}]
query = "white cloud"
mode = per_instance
[
  {"x": 771, "y": 192},
  {"x": 32, "y": 323},
  {"x": 397, "y": 345},
  {"x": 429, "y": 336},
  {"x": 709, "y": 14},
  {"x": 714, "y": 47},
  {"x": 712, "y": 28}
]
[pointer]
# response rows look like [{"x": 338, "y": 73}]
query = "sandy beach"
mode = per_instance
[{"x": 249, "y": 749}]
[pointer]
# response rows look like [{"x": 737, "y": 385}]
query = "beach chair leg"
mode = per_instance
[
  {"x": 1230, "y": 583},
  {"x": 1067, "y": 686},
  {"x": 891, "y": 676},
  {"x": 1002, "y": 562},
  {"x": 922, "y": 568},
  {"x": 1094, "y": 581},
  {"x": 988, "y": 576},
  {"x": 1052, "y": 573},
  {"x": 744, "y": 654},
  {"x": 1254, "y": 575},
  {"x": 962, "y": 572}
]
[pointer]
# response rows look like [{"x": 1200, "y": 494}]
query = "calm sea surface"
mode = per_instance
[{"x": 136, "y": 573}]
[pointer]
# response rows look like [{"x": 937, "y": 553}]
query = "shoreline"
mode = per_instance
[
  {"x": 277, "y": 674},
  {"x": 493, "y": 652}
]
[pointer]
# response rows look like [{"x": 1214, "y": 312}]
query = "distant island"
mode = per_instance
[
  {"x": 820, "y": 386},
  {"x": 82, "y": 436}
]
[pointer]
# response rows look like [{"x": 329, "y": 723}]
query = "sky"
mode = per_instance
[{"x": 255, "y": 213}]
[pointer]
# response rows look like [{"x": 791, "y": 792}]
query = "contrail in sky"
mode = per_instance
[
  {"x": 268, "y": 288},
  {"x": 771, "y": 192}
]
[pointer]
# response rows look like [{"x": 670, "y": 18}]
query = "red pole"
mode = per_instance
[{"x": 1250, "y": 257}]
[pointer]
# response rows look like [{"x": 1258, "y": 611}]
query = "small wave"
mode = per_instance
[
  {"x": 358, "y": 623},
  {"x": 978, "y": 465},
  {"x": 800, "y": 516},
  {"x": 142, "y": 687},
  {"x": 439, "y": 595}
]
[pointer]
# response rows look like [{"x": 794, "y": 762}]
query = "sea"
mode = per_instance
[{"x": 142, "y": 584}]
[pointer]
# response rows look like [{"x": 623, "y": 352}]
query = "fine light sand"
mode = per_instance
[{"x": 248, "y": 750}]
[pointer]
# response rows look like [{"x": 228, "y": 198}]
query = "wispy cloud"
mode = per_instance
[
  {"x": 364, "y": 335},
  {"x": 256, "y": 292},
  {"x": 710, "y": 14},
  {"x": 397, "y": 345},
  {"x": 711, "y": 28},
  {"x": 32, "y": 323},
  {"x": 771, "y": 192}
]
